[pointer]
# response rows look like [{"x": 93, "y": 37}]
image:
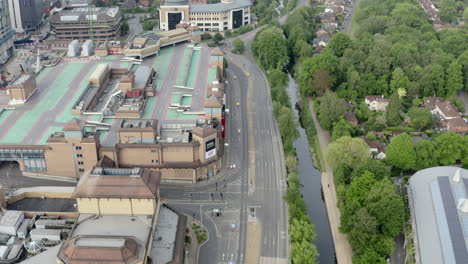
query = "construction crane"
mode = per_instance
[{"x": 90, "y": 17}]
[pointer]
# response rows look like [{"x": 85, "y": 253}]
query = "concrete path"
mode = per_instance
[{"x": 343, "y": 249}]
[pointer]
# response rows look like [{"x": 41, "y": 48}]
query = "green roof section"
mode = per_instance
[
  {"x": 95, "y": 117},
  {"x": 161, "y": 64},
  {"x": 176, "y": 98},
  {"x": 49, "y": 132},
  {"x": 172, "y": 114},
  {"x": 186, "y": 101},
  {"x": 212, "y": 73},
  {"x": 184, "y": 67},
  {"x": 149, "y": 107},
  {"x": 108, "y": 120},
  {"x": 193, "y": 71},
  {"x": 54, "y": 93}
]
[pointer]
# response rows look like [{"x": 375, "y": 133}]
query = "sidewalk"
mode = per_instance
[{"x": 343, "y": 249}]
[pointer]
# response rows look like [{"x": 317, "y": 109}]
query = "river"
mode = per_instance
[{"x": 312, "y": 188}]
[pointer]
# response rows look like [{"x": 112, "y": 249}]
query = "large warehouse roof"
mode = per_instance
[{"x": 439, "y": 202}]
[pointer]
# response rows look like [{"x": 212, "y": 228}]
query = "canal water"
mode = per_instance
[{"x": 312, "y": 188}]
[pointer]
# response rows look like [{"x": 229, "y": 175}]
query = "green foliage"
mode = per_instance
[
  {"x": 342, "y": 128},
  {"x": 342, "y": 174},
  {"x": 270, "y": 48},
  {"x": 238, "y": 46},
  {"x": 400, "y": 152},
  {"x": 448, "y": 11},
  {"x": 265, "y": 10},
  {"x": 288, "y": 128},
  {"x": 100, "y": 3},
  {"x": 369, "y": 256},
  {"x": 454, "y": 81},
  {"x": 291, "y": 163},
  {"x": 425, "y": 154},
  {"x": 331, "y": 109},
  {"x": 376, "y": 167},
  {"x": 324, "y": 61},
  {"x": 449, "y": 148},
  {"x": 459, "y": 105},
  {"x": 124, "y": 28},
  {"x": 346, "y": 150},
  {"x": 149, "y": 24},
  {"x": 392, "y": 114},
  {"x": 227, "y": 34},
  {"x": 421, "y": 119},
  {"x": 217, "y": 38},
  {"x": 278, "y": 85},
  {"x": 303, "y": 253},
  {"x": 399, "y": 81},
  {"x": 339, "y": 43}
]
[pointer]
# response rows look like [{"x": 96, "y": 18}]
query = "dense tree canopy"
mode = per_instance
[
  {"x": 270, "y": 48},
  {"x": 346, "y": 150},
  {"x": 400, "y": 152},
  {"x": 420, "y": 118},
  {"x": 342, "y": 128},
  {"x": 331, "y": 109}
]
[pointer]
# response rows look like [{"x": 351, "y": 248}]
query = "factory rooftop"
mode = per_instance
[
  {"x": 60, "y": 87},
  {"x": 438, "y": 199}
]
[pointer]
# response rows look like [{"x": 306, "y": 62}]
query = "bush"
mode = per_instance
[
  {"x": 228, "y": 34},
  {"x": 459, "y": 105},
  {"x": 205, "y": 36},
  {"x": 238, "y": 46}
]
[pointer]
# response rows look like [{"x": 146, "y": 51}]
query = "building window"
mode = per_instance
[
  {"x": 81, "y": 170},
  {"x": 79, "y": 155},
  {"x": 207, "y": 24},
  {"x": 154, "y": 150},
  {"x": 215, "y": 24},
  {"x": 155, "y": 161},
  {"x": 80, "y": 162},
  {"x": 78, "y": 147}
]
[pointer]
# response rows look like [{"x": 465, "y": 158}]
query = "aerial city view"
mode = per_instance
[{"x": 234, "y": 131}]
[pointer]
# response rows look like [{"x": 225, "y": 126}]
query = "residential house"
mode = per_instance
[
  {"x": 431, "y": 101},
  {"x": 376, "y": 102},
  {"x": 446, "y": 110},
  {"x": 458, "y": 125},
  {"x": 377, "y": 149}
]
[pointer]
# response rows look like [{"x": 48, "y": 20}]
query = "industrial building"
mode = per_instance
[
  {"x": 25, "y": 15},
  {"x": 6, "y": 33},
  {"x": 166, "y": 115},
  {"x": 77, "y": 23},
  {"x": 222, "y": 16},
  {"x": 438, "y": 200}
]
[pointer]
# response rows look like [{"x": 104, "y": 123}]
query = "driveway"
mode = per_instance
[{"x": 463, "y": 96}]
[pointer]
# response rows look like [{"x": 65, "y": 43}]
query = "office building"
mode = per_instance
[
  {"x": 25, "y": 15},
  {"x": 222, "y": 16},
  {"x": 6, "y": 33},
  {"x": 75, "y": 23}
]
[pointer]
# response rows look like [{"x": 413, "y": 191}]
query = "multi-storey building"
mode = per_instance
[
  {"x": 226, "y": 15},
  {"x": 6, "y": 33},
  {"x": 77, "y": 23},
  {"x": 25, "y": 15}
]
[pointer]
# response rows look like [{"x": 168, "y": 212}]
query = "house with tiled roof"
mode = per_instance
[{"x": 376, "y": 102}]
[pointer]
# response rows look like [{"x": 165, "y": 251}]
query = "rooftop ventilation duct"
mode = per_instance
[
  {"x": 457, "y": 176},
  {"x": 463, "y": 205}
]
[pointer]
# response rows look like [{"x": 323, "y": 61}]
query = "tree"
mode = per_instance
[
  {"x": 448, "y": 11},
  {"x": 320, "y": 82},
  {"x": 238, "y": 45},
  {"x": 291, "y": 163},
  {"x": 342, "y": 128},
  {"x": 325, "y": 61},
  {"x": 288, "y": 128},
  {"x": 454, "y": 79},
  {"x": 149, "y": 25},
  {"x": 270, "y": 48},
  {"x": 369, "y": 256},
  {"x": 339, "y": 43},
  {"x": 376, "y": 167},
  {"x": 420, "y": 118},
  {"x": 400, "y": 152},
  {"x": 399, "y": 81},
  {"x": 392, "y": 113},
  {"x": 342, "y": 174},
  {"x": 217, "y": 38},
  {"x": 448, "y": 148},
  {"x": 387, "y": 207},
  {"x": 302, "y": 230},
  {"x": 363, "y": 229},
  {"x": 100, "y": 3},
  {"x": 331, "y": 109},
  {"x": 303, "y": 253},
  {"x": 346, "y": 150},
  {"x": 425, "y": 154},
  {"x": 124, "y": 28}
]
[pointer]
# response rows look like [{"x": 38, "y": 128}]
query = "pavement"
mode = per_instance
[{"x": 343, "y": 249}]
